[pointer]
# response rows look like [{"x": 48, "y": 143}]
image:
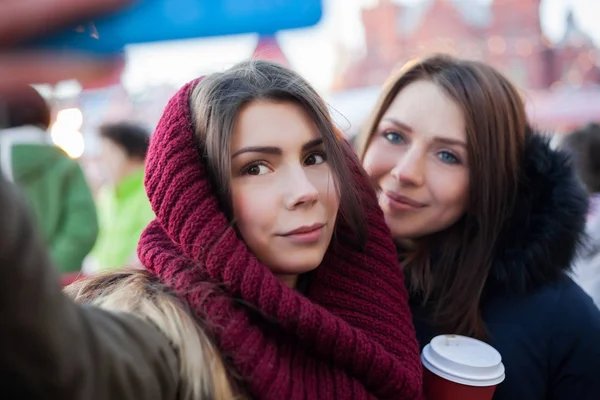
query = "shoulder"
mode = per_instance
[
  {"x": 565, "y": 302},
  {"x": 570, "y": 331},
  {"x": 548, "y": 339},
  {"x": 59, "y": 165},
  {"x": 574, "y": 314},
  {"x": 574, "y": 345},
  {"x": 141, "y": 294},
  {"x": 558, "y": 314},
  {"x": 572, "y": 303}
]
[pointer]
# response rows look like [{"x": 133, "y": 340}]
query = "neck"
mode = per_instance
[{"x": 289, "y": 280}]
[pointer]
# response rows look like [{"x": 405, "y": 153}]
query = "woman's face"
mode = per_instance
[
  {"x": 284, "y": 197},
  {"x": 417, "y": 159}
]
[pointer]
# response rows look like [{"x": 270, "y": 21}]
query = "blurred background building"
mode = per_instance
[
  {"x": 560, "y": 79},
  {"x": 549, "y": 48}
]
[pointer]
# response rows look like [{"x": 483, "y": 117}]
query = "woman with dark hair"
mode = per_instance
[
  {"x": 267, "y": 235},
  {"x": 487, "y": 219}
]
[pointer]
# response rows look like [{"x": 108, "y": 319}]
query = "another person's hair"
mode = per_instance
[
  {"x": 496, "y": 125},
  {"x": 218, "y": 99},
  {"x": 133, "y": 138},
  {"x": 23, "y": 106},
  {"x": 202, "y": 371},
  {"x": 584, "y": 145}
]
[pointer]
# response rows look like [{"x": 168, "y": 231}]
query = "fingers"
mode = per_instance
[
  {"x": 25, "y": 19},
  {"x": 27, "y": 68}
]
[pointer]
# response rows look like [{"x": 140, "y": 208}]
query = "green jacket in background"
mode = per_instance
[
  {"x": 124, "y": 212},
  {"x": 57, "y": 192}
]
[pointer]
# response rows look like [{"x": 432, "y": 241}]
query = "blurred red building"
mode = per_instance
[{"x": 505, "y": 33}]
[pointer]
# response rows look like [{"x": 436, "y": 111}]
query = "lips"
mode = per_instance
[
  {"x": 304, "y": 229},
  {"x": 307, "y": 235},
  {"x": 404, "y": 201}
]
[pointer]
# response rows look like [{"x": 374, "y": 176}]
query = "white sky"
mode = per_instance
[{"x": 311, "y": 51}]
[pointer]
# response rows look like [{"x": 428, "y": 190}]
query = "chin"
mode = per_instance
[
  {"x": 293, "y": 265},
  {"x": 400, "y": 233},
  {"x": 296, "y": 268}
]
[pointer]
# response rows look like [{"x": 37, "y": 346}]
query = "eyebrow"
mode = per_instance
[
  {"x": 399, "y": 124},
  {"x": 449, "y": 141},
  {"x": 276, "y": 150},
  {"x": 439, "y": 139}
]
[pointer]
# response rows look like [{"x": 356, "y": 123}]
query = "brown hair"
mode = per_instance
[
  {"x": 203, "y": 373},
  {"x": 23, "y": 106},
  {"x": 217, "y": 100},
  {"x": 449, "y": 269}
]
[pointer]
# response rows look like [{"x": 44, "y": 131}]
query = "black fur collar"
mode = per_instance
[{"x": 547, "y": 224}]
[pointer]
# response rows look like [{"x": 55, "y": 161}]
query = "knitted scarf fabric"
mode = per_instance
[{"x": 351, "y": 337}]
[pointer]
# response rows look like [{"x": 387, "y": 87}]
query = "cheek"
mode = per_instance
[
  {"x": 451, "y": 190},
  {"x": 379, "y": 160},
  {"x": 253, "y": 210},
  {"x": 323, "y": 180}
]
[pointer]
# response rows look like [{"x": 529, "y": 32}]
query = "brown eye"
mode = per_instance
[
  {"x": 315, "y": 159},
  {"x": 255, "y": 169}
]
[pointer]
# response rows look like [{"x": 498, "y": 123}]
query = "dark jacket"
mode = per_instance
[
  {"x": 544, "y": 326},
  {"x": 51, "y": 348}
]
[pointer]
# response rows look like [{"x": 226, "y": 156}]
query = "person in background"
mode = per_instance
[
  {"x": 487, "y": 219},
  {"x": 584, "y": 145},
  {"x": 123, "y": 207},
  {"x": 53, "y": 183}
]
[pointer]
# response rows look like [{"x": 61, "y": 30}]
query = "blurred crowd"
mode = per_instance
[{"x": 78, "y": 226}]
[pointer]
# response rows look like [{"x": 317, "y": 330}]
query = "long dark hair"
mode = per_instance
[
  {"x": 448, "y": 270},
  {"x": 217, "y": 100}
]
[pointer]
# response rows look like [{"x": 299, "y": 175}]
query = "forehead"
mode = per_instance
[
  {"x": 428, "y": 110},
  {"x": 277, "y": 124}
]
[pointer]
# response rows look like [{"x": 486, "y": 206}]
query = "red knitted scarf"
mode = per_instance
[{"x": 351, "y": 337}]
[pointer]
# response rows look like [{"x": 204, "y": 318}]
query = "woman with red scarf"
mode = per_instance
[{"x": 269, "y": 258}]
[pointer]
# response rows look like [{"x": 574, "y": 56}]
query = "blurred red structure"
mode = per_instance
[
  {"x": 505, "y": 33},
  {"x": 268, "y": 49},
  {"x": 560, "y": 81}
]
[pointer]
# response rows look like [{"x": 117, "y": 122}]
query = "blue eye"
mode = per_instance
[
  {"x": 393, "y": 137},
  {"x": 448, "y": 158}
]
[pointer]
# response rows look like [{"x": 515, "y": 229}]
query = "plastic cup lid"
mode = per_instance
[{"x": 463, "y": 360}]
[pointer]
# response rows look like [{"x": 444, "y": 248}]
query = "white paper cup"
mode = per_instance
[{"x": 460, "y": 367}]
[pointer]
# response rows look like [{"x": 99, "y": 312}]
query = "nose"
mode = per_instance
[
  {"x": 301, "y": 191},
  {"x": 410, "y": 168}
]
